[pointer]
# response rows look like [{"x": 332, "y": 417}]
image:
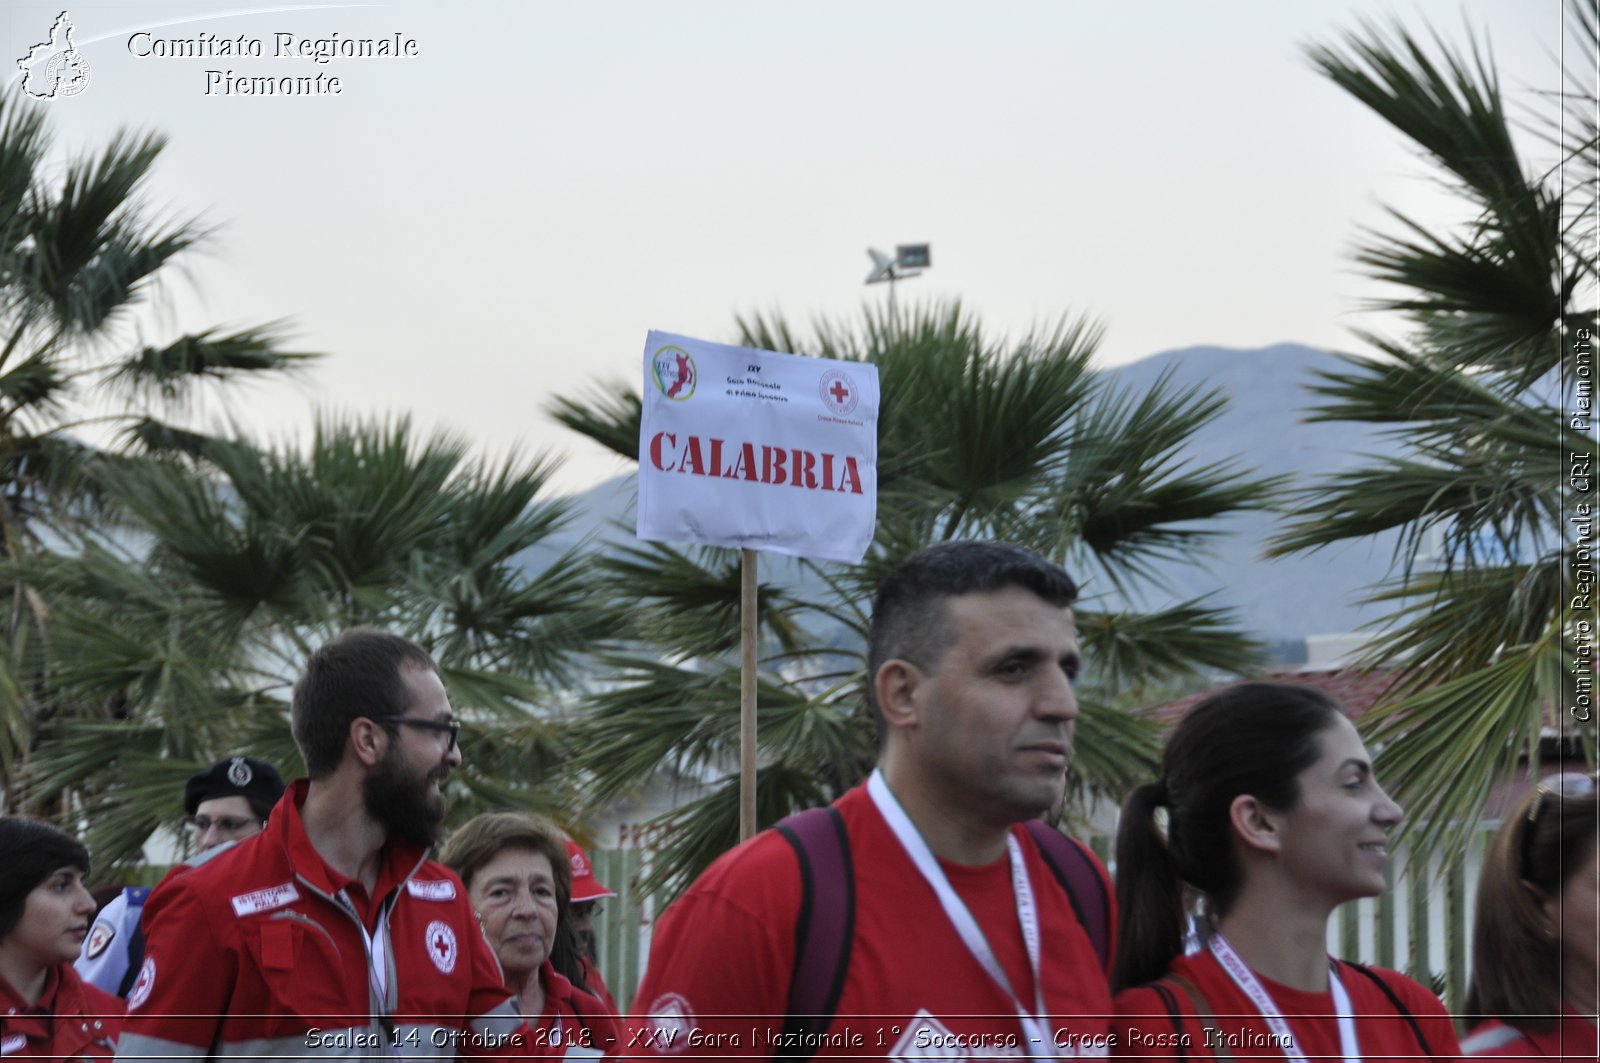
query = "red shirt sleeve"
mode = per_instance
[
  {"x": 720, "y": 959},
  {"x": 177, "y": 1001}
]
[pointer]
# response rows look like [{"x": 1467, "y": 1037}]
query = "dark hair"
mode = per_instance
[
  {"x": 908, "y": 614},
  {"x": 1516, "y": 962},
  {"x": 1251, "y": 738},
  {"x": 30, "y": 852},
  {"x": 484, "y": 837},
  {"x": 358, "y": 673}
]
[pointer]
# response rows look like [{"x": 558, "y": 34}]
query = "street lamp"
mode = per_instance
[{"x": 909, "y": 260}]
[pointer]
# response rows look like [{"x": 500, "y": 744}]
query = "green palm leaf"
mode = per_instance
[{"x": 1480, "y": 629}]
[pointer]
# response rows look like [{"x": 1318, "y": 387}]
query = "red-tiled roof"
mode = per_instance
[{"x": 1356, "y": 690}]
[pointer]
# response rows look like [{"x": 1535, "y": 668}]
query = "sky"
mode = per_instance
[{"x": 498, "y": 219}]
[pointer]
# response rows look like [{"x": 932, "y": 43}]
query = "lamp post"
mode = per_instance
[{"x": 909, "y": 261}]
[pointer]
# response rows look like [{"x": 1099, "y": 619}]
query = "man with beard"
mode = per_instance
[{"x": 331, "y": 932}]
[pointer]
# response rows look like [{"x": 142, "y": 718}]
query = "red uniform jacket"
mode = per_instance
[
  {"x": 267, "y": 952},
  {"x": 573, "y": 1018},
  {"x": 72, "y": 1020}
]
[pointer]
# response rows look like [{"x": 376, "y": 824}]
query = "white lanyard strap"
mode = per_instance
[
  {"x": 1034, "y": 1024},
  {"x": 1347, "y": 1017},
  {"x": 377, "y": 944},
  {"x": 1251, "y": 986}
]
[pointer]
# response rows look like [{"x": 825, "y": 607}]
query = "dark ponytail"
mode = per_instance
[
  {"x": 1149, "y": 894},
  {"x": 1251, "y": 738}
]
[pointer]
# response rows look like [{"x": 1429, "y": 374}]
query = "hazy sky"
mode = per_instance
[{"x": 501, "y": 217}]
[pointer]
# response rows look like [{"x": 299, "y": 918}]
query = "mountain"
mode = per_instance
[{"x": 1263, "y": 428}]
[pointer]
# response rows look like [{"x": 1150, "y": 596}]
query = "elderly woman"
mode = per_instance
[
  {"x": 48, "y": 1011},
  {"x": 1534, "y": 943},
  {"x": 518, "y": 878}
]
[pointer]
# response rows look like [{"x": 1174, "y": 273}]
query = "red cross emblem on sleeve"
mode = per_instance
[{"x": 441, "y": 946}]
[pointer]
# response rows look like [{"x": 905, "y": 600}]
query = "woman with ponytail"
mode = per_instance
[{"x": 1266, "y": 813}]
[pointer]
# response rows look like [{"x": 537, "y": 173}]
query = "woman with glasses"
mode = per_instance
[
  {"x": 518, "y": 877},
  {"x": 1267, "y": 811},
  {"x": 1534, "y": 941},
  {"x": 46, "y": 1010}
]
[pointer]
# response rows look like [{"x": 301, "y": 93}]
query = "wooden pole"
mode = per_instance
[{"x": 747, "y": 694}]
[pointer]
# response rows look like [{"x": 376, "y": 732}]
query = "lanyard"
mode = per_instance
[
  {"x": 1246, "y": 980},
  {"x": 1034, "y": 1024}
]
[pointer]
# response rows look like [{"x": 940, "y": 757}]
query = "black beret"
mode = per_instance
[{"x": 254, "y": 780}]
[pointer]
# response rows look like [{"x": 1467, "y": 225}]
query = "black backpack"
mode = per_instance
[{"x": 826, "y": 925}]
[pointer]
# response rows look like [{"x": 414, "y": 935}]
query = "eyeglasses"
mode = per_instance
[
  {"x": 453, "y": 727},
  {"x": 226, "y": 824},
  {"x": 1566, "y": 786},
  {"x": 589, "y": 908}
]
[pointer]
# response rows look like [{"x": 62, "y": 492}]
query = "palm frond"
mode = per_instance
[
  {"x": 1184, "y": 640},
  {"x": 168, "y": 372},
  {"x": 91, "y": 252},
  {"x": 1477, "y": 628},
  {"x": 609, "y": 414}
]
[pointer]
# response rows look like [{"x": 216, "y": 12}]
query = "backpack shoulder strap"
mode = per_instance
[
  {"x": 1171, "y": 1004},
  {"x": 1080, "y": 878},
  {"x": 1399, "y": 1005},
  {"x": 1202, "y": 1008},
  {"x": 826, "y": 924}
]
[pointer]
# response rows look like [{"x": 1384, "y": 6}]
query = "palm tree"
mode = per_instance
[
  {"x": 178, "y": 642},
  {"x": 977, "y": 439},
  {"x": 1482, "y": 625},
  {"x": 79, "y": 252}
]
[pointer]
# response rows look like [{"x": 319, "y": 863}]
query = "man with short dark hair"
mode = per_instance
[
  {"x": 959, "y": 935},
  {"x": 331, "y": 933},
  {"x": 225, "y": 803}
]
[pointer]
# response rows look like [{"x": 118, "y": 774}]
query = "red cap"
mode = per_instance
[{"x": 585, "y": 887}]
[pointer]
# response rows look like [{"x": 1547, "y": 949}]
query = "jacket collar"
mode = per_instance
[
  {"x": 13, "y": 1007},
  {"x": 64, "y": 998},
  {"x": 398, "y": 859}
]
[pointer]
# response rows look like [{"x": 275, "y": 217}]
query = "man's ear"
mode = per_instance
[
  {"x": 368, "y": 741},
  {"x": 1256, "y": 825},
  {"x": 896, "y": 688}
]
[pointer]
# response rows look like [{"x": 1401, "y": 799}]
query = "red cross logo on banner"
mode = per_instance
[{"x": 839, "y": 392}]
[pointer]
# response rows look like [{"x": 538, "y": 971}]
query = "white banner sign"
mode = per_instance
[{"x": 747, "y": 448}]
